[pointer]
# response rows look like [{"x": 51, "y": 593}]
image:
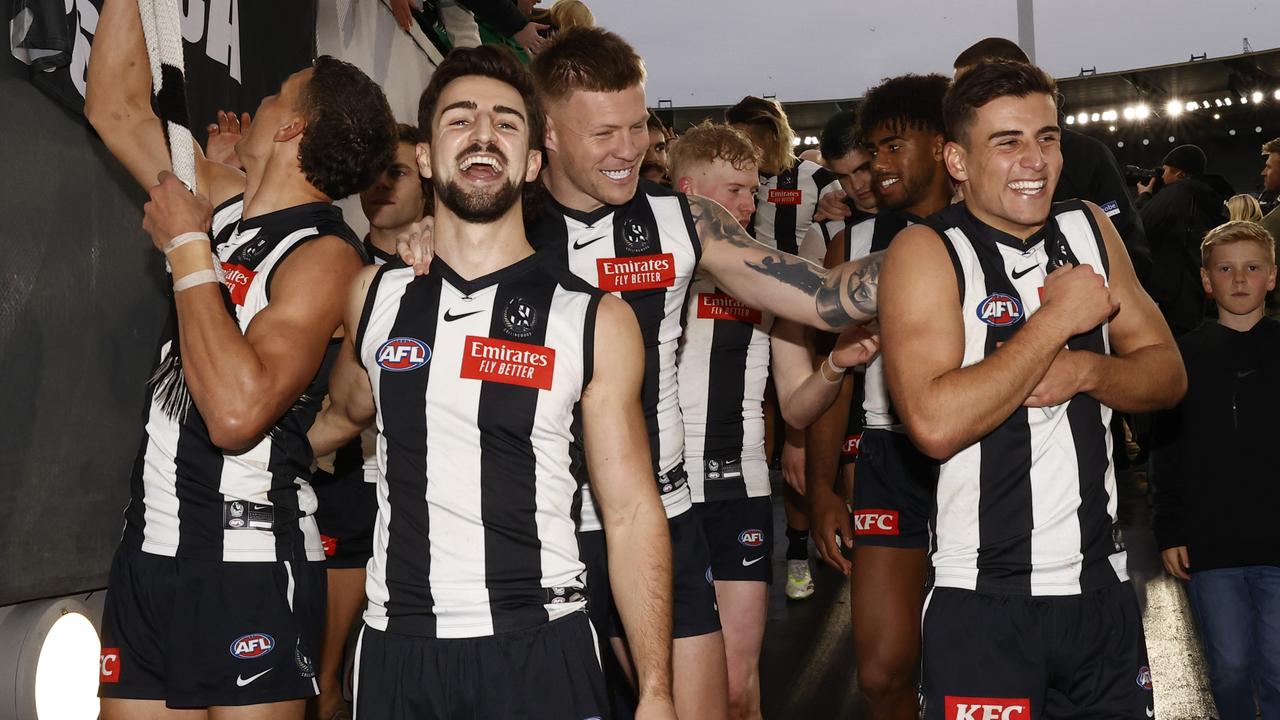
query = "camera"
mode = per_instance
[{"x": 1134, "y": 174}]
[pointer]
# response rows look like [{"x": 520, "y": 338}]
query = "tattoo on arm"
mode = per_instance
[
  {"x": 857, "y": 284},
  {"x": 713, "y": 222}
]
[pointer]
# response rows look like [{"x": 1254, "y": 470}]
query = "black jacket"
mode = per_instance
[
  {"x": 1216, "y": 460},
  {"x": 1176, "y": 220},
  {"x": 1090, "y": 172}
]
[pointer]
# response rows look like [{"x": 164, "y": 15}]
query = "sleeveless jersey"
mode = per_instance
[
  {"x": 873, "y": 235},
  {"x": 645, "y": 252},
  {"x": 786, "y": 202},
  {"x": 1030, "y": 509},
  {"x": 821, "y": 233},
  {"x": 723, "y": 365},
  {"x": 192, "y": 499},
  {"x": 475, "y": 384}
]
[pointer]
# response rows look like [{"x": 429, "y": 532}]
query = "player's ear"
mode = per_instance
[
  {"x": 549, "y": 136},
  {"x": 1208, "y": 286},
  {"x": 953, "y": 155},
  {"x": 534, "y": 166},
  {"x": 684, "y": 184},
  {"x": 291, "y": 129},
  {"x": 939, "y": 144},
  {"x": 422, "y": 153}
]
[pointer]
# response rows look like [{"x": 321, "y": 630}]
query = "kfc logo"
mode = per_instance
[
  {"x": 851, "y": 445},
  {"x": 875, "y": 522},
  {"x": 109, "y": 665},
  {"x": 975, "y": 708}
]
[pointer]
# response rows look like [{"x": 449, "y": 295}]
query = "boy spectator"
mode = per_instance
[{"x": 1216, "y": 503}]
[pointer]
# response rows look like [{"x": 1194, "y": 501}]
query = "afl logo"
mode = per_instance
[
  {"x": 751, "y": 538},
  {"x": 1000, "y": 310},
  {"x": 403, "y": 354},
  {"x": 253, "y": 645}
]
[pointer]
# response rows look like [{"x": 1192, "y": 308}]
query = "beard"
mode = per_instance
[{"x": 477, "y": 206}]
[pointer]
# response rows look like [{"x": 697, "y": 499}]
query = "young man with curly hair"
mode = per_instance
[{"x": 216, "y": 594}]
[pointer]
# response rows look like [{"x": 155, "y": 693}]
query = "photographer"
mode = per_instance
[{"x": 1187, "y": 205}]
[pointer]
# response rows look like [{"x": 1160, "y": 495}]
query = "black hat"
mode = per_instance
[{"x": 1189, "y": 159}]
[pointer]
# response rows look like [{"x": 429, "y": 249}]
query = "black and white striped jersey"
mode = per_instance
[
  {"x": 645, "y": 252},
  {"x": 873, "y": 235},
  {"x": 786, "y": 202},
  {"x": 1030, "y": 509},
  {"x": 724, "y": 364},
  {"x": 822, "y": 232},
  {"x": 190, "y": 498},
  {"x": 476, "y": 385},
  {"x": 360, "y": 456}
]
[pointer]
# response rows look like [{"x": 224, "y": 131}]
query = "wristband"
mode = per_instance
[
  {"x": 190, "y": 280},
  {"x": 183, "y": 239},
  {"x": 839, "y": 372}
]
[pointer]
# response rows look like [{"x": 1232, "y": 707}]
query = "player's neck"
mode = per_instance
[
  {"x": 1241, "y": 323},
  {"x": 563, "y": 191},
  {"x": 937, "y": 197},
  {"x": 474, "y": 250},
  {"x": 385, "y": 238},
  {"x": 277, "y": 188}
]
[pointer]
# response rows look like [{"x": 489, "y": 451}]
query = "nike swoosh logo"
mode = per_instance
[
  {"x": 241, "y": 682},
  {"x": 749, "y": 563},
  {"x": 450, "y": 317},
  {"x": 1151, "y": 713},
  {"x": 1246, "y": 373},
  {"x": 1019, "y": 273},
  {"x": 578, "y": 246}
]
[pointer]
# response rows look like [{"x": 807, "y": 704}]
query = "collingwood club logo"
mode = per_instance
[
  {"x": 635, "y": 237},
  {"x": 519, "y": 317}
]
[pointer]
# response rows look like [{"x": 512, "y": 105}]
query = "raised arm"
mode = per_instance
[
  {"x": 349, "y": 407},
  {"x": 118, "y": 105},
  {"x": 946, "y": 407},
  {"x": 243, "y": 383},
  {"x": 1144, "y": 371},
  {"x": 622, "y": 481},
  {"x": 783, "y": 284}
]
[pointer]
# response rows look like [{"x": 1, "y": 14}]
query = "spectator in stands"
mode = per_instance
[
  {"x": 1176, "y": 218},
  {"x": 1244, "y": 207},
  {"x": 1214, "y": 463},
  {"x": 467, "y": 21},
  {"x": 1271, "y": 187},
  {"x": 571, "y": 13}
]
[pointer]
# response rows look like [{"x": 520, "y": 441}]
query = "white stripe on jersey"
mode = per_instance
[
  {"x": 876, "y": 404},
  {"x": 770, "y": 200}
]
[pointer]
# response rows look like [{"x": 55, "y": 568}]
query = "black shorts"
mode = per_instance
[
  {"x": 694, "y": 594},
  {"x": 550, "y": 671},
  {"x": 740, "y": 537},
  {"x": 202, "y": 633},
  {"x": 346, "y": 512},
  {"x": 893, "y": 492},
  {"x": 1023, "y": 658}
]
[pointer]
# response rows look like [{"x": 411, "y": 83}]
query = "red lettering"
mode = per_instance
[
  {"x": 980, "y": 708},
  {"x": 508, "y": 362},
  {"x": 875, "y": 522},
  {"x": 645, "y": 272},
  {"x": 718, "y": 306},
  {"x": 779, "y": 196},
  {"x": 851, "y": 445}
]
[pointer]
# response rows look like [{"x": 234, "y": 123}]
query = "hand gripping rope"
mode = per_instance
[{"x": 162, "y": 27}]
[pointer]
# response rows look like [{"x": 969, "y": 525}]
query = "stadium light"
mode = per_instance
[
  {"x": 52, "y": 662},
  {"x": 1173, "y": 108},
  {"x": 1112, "y": 128},
  {"x": 1276, "y": 95},
  {"x": 795, "y": 141},
  {"x": 1071, "y": 119},
  {"x": 1216, "y": 116},
  {"x": 1142, "y": 111},
  {"x": 1256, "y": 96},
  {"x": 1193, "y": 105},
  {"x": 1110, "y": 116},
  {"x": 1130, "y": 113},
  {"x": 1244, "y": 100},
  {"x": 1095, "y": 117},
  {"x": 1083, "y": 118},
  {"x": 1226, "y": 101}
]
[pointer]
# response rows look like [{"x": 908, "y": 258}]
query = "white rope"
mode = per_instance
[{"x": 162, "y": 27}]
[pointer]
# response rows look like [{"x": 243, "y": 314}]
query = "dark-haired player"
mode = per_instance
[
  {"x": 644, "y": 243},
  {"x": 1012, "y": 328},
  {"x": 893, "y": 489},
  {"x": 216, "y": 594},
  {"x": 478, "y": 375},
  {"x": 849, "y": 160}
]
